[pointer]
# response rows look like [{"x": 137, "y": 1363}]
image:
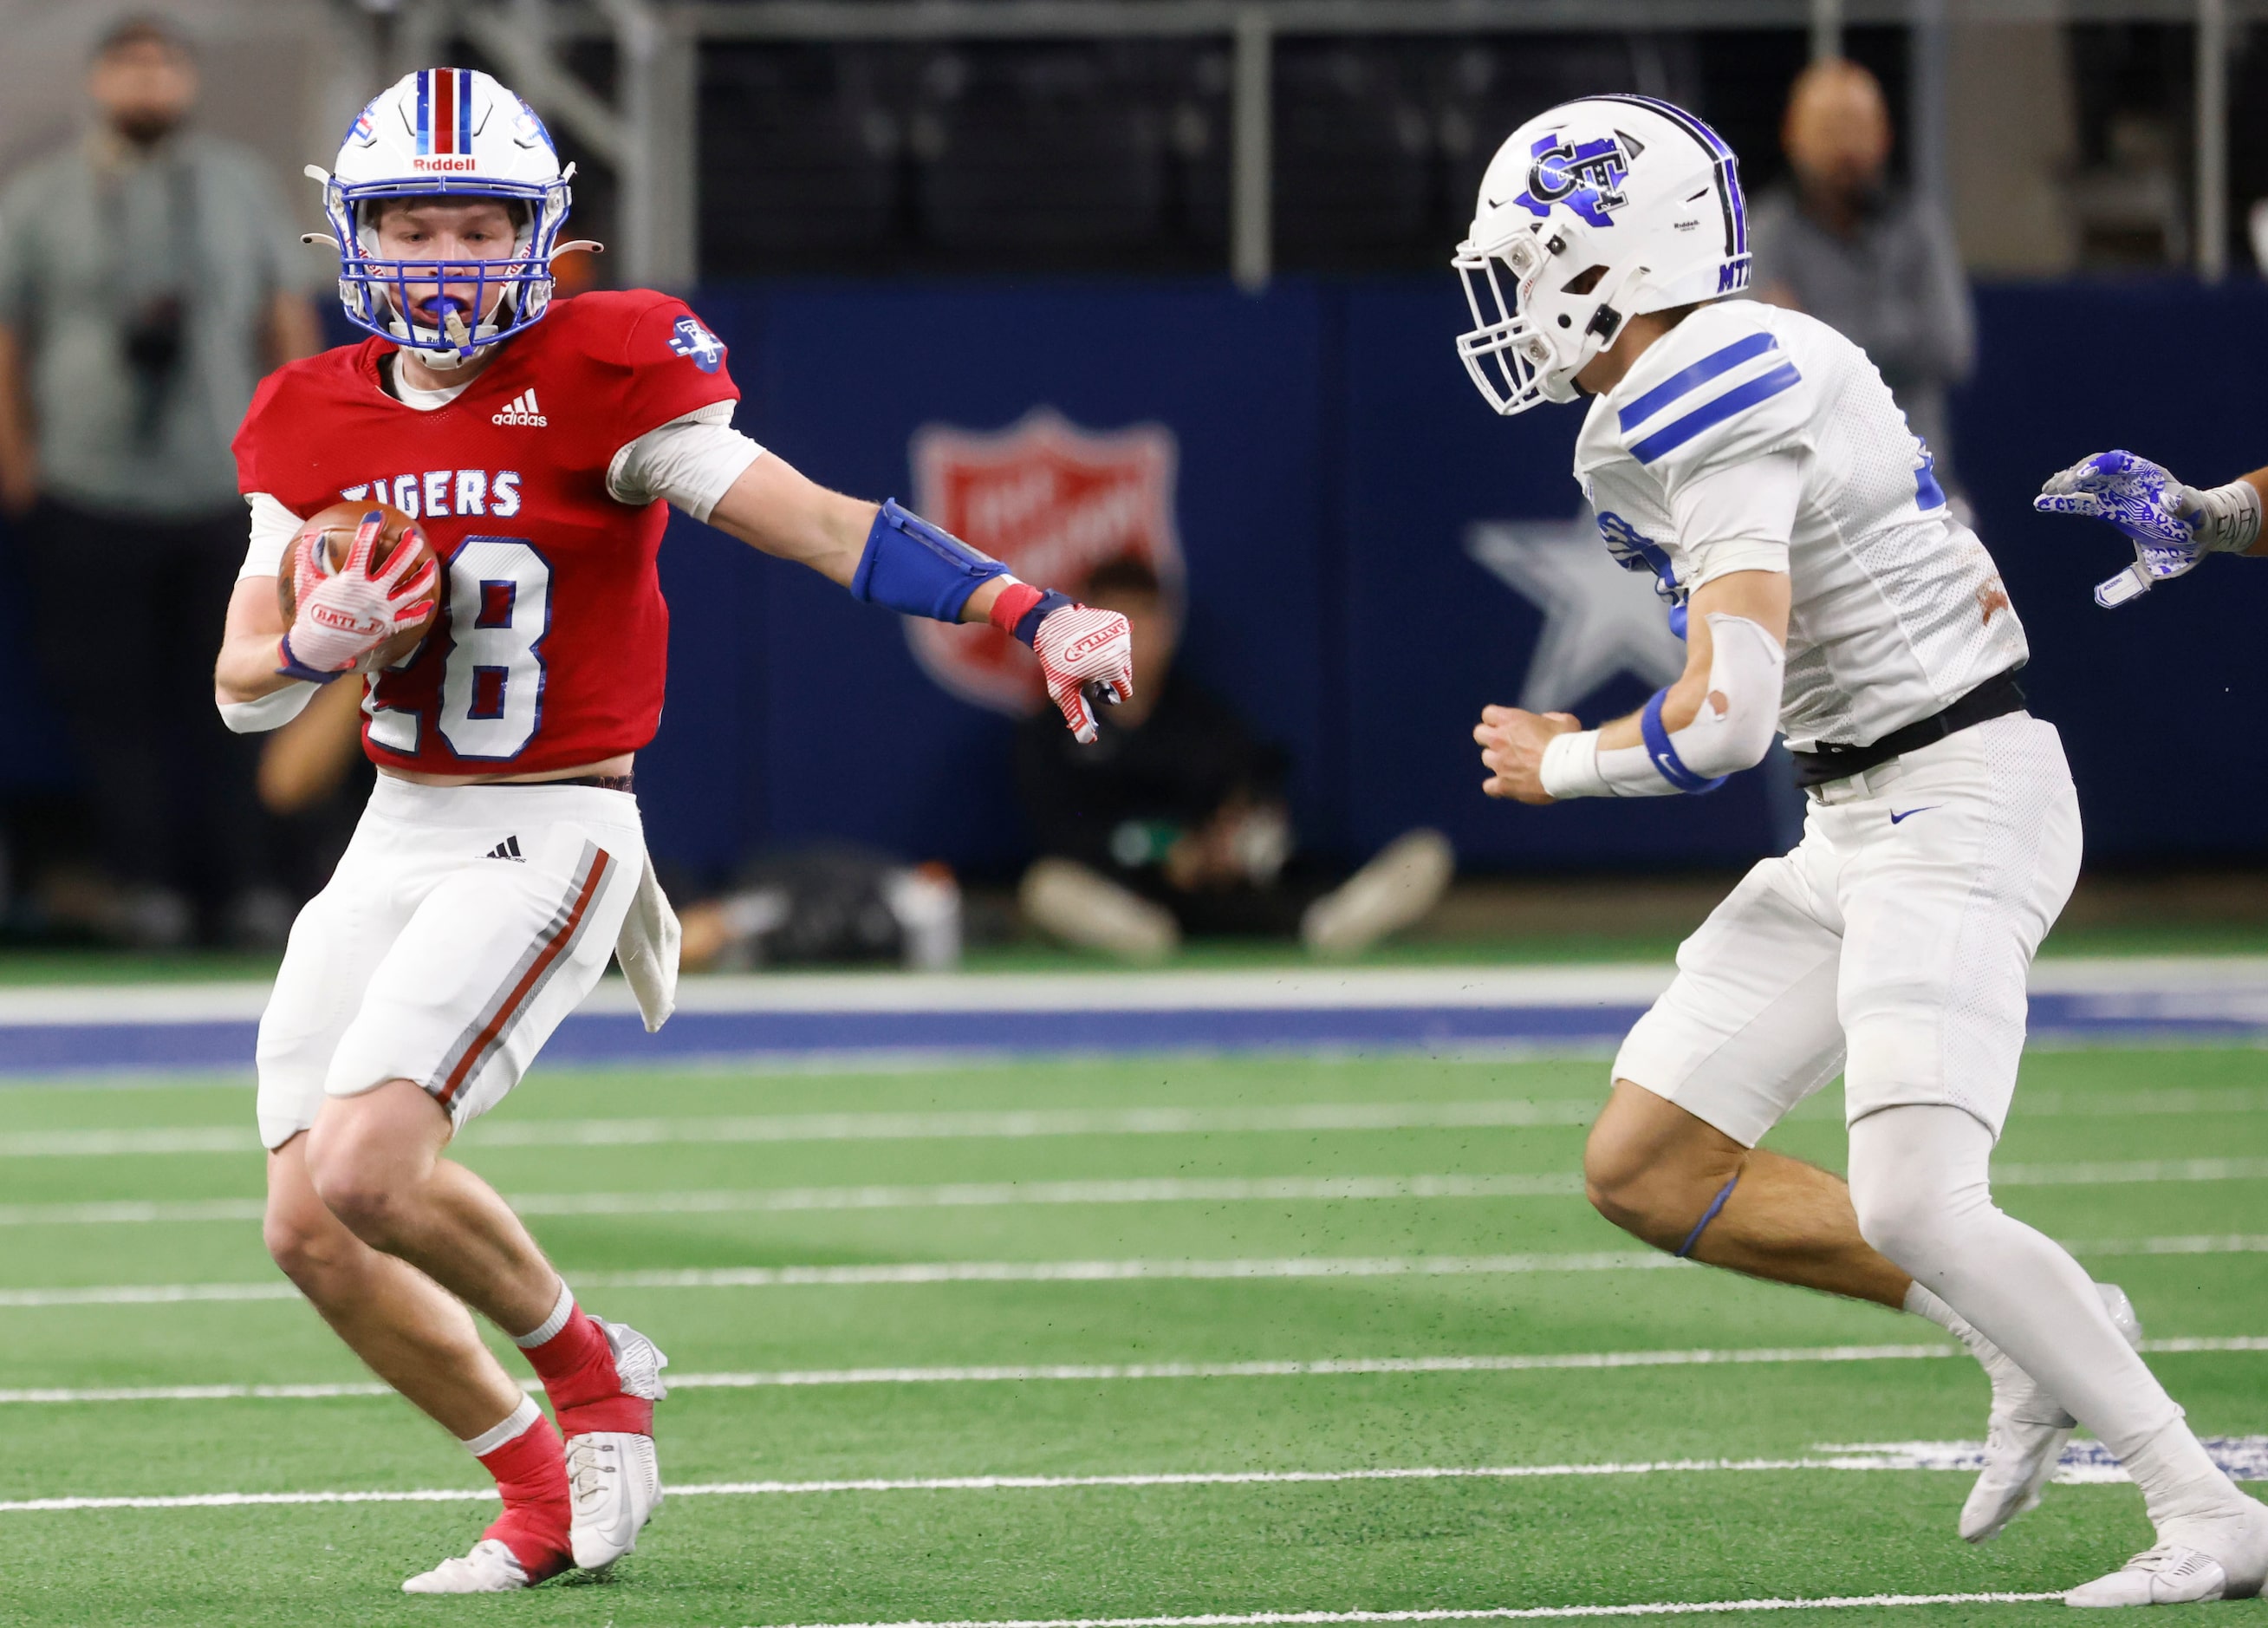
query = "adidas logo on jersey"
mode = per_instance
[
  {"x": 521, "y": 409},
  {"x": 508, "y": 849}
]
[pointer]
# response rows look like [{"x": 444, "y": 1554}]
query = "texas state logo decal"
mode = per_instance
[{"x": 1052, "y": 501}]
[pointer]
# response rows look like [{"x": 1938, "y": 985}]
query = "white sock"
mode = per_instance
[
  {"x": 516, "y": 1424},
  {"x": 2179, "y": 1480},
  {"x": 1919, "y": 1179},
  {"x": 562, "y": 1308}
]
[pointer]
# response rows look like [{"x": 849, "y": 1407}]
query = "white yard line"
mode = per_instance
[
  {"x": 1281, "y": 989},
  {"x": 980, "y": 1194},
  {"x": 904, "y": 1272},
  {"x": 1011, "y": 1124},
  {"x": 1110, "y": 1372},
  {"x": 1506, "y": 1613},
  {"x": 2111, "y": 1172},
  {"x": 910, "y": 1273},
  {"x": 2142, "y": 978},
  {"x": 2086, "y": 1463},
  {"x": 963, "y": 1194},
  {"x": 994, "y": 1483}
]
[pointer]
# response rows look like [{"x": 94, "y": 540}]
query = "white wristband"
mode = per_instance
[
  {"x": 1571, "y": 767},
  {"x": 2230, "y": 518}
]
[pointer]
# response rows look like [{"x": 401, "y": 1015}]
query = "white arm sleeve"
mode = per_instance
[
  {"x": 273, "y": 528},
  {"x": 269, "y": 712},
  {"x": 1732, "y": 731},
  {"x": 1739, "y": 517},
  {"x": 691, "y": 462}
]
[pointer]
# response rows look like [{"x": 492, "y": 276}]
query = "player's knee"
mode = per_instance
[
  {"x": 364, "y": 1203},
  {"x": 1615, "y": 1186},
  {"x": 1906, "y": 1224},
  {"x": 1629, "y": 1186},
  {"x": 368, "y": 1156},
  {"x": 306, "y": 1241},
  {"x": 1649, "y": 1189},
  {"x": 354, "y": 1185}
]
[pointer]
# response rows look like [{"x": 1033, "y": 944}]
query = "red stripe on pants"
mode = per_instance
[{"x": 508, "y": 1014}]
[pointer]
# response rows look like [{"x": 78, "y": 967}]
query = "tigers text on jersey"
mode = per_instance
[
  {"x": 1898, "y": 610},
  {"x": 554, "y": 645}
]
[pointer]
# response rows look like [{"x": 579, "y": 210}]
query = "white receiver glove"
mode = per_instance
[
  {"x": 1084, "y": 653},
  {"x": 345, "y": 615}
]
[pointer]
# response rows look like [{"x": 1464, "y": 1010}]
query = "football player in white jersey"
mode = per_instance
[{"x": 1753, "y": 459}]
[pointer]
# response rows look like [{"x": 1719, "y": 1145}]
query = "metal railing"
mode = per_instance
[{"x": 649, "y": 136}]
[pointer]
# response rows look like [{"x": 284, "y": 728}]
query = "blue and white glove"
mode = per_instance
[{"x": 2172, "y": 526}]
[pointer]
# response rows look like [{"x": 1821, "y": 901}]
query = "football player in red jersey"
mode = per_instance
[{"x": 500, "y": 860}]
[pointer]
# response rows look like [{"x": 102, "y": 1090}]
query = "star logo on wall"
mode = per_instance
[{"x": 1599, "y": 620}]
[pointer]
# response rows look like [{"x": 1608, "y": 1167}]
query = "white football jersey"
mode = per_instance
[{"x": 1899, "y": 609}]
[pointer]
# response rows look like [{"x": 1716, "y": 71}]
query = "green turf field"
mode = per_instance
[{"x": 1312, "y": 1196}]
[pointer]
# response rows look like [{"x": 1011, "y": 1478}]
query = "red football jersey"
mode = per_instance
[{"x": 553, "y": 643}]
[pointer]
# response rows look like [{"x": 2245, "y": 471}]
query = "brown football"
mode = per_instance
[{"x": 322, "y": 547}]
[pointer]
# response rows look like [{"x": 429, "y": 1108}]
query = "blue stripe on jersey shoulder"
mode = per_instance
[
  {"x": 1739, "y": 399},
  {"x": 1692, "y": 379}
]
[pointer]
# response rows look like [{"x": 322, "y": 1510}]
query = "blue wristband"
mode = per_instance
[
  {"x": 1028, "y": 625},
  {"x": 1666, "y": 760},
  {"x": 293, "y": 668},
  {"x": 918, "y": 569}
]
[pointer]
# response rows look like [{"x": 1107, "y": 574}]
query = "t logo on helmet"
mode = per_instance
[{"x": 1586, "y": 176}]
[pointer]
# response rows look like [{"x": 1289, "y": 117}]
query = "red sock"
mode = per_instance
[
  {"x": 576, "y": 1366},
  {"x": 531, "y": 1472}
]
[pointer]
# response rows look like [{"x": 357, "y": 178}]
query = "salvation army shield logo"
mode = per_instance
[{"x": 1051, "y": 501}]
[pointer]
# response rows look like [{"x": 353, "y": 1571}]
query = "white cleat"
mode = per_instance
[
  {"x": 2167, "y": 1575},
  {"x": 491, "y": 1568},
  {"x": 614, "y": 1476},
  {"x": 2024, "y": 1438},
  {"x": 2218, "y": 1557}
]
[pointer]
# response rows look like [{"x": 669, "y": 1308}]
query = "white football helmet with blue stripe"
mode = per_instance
[
  {"x": 1604, "y": 209},
  {"x": 447, "y": 132}
]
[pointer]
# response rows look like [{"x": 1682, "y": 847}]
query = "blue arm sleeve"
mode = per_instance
[{"x": 915, "y": 568}]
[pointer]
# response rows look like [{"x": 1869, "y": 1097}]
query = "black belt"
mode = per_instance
[
  {"x": 1995, "y": 698},
  {"x": 605, "y": 783}
]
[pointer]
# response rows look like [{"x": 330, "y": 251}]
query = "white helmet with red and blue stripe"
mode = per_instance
[
  {"x": 450, "y": 133},
  {"x": 1604, "y": 209}
]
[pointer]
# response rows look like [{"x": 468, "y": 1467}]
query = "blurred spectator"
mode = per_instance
[
  {"x": 1174, "y": 822},
  {"x": 830, "y": 903},
  {"x": 149, "y": 276},
  {"x": 1876, "y": 263}
]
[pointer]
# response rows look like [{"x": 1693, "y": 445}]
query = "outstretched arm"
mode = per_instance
[
  {"x": 888, "y": 556},
  {"x": 1716, "y": 719},
  {"x": 775, "y": 507},
  {"x": 2171, "y": 526}
]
